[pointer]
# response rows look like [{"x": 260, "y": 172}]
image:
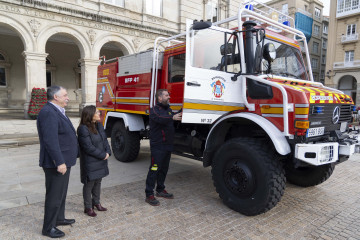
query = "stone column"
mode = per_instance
[
  {"x": 35, "y": 74},
  {"x": 357, "y": 100},
  {"x": 88, "y": 81}
]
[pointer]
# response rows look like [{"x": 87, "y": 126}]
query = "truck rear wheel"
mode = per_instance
[
  {"x": 125, "y": 144},
  {"x": 308, "y": 176},
  {"x": 248, "y": 176}
]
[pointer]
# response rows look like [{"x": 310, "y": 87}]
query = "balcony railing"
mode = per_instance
[
  {"x": 349, "y": 38},
  {"x": 352, "y": 64}
]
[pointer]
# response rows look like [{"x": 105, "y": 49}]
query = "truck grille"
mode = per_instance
[{"x": 326, "y": 117}]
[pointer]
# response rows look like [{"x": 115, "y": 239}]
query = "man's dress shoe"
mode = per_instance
[
  {"x": 53, "y": 233},
  {"x": 65, "y": 222}
]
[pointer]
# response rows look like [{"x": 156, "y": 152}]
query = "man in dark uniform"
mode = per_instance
[
  {"x": 161, "y": 144},
  {"x": 58, "y": 153}
]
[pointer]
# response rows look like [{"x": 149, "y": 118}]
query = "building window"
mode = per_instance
[
  {"x": 285, "y": 9},
  {"x": 3, "y": 69},
  {"x": 324, "y": 43},
  {"x": 322, "y": 76},
  {"x": 314, "y": 63},
  {"x": 316, "y": 30},
  {"x": 351, "y": 29},
  {"x": 347, "y": 5},
  {"x": 315, "y": 47},
  {"x": 323, "y": 59},
  {"x": 211, "y": 11},
  {"x": 154, "y": 7},
  {"x": 317, "y": 13},
  {"x": 349, "y": 56},
  {"x": 325, "y": 29},
  {"x": 315, "y": 77},
  {"x": 119, "y": 3}
]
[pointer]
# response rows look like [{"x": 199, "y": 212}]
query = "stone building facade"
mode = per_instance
[
  {"x": 308, "y": 17},
  {"x": 50, "y": 42},
  {"x": 343, "y": 59}
]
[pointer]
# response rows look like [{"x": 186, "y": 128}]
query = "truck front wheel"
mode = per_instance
[
  {"x": 308, "y": 176},
  {"x": 125, "y": 144},
  {"x": 248, "y": 176}
]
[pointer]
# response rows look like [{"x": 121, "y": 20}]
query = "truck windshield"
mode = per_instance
[{"x": 288, "y": 62}]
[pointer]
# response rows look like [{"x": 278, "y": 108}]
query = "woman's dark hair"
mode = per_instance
[{"x": 87, "y": 115}]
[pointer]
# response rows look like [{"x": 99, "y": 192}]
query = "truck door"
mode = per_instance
[
  {"x": 211, "y": 60},
  {"x": 174, "y": 73}
]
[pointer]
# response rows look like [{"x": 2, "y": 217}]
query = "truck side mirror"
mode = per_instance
[
  {"x": 201, "y": 25},
  {"x": 226, "y": 49},
  {"x": 269, "y": 52}
]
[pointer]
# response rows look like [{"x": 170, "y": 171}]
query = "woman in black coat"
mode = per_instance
[{"x": 94, "y": 152}]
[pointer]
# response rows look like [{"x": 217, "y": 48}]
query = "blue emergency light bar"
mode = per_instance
[
  {"x": 353, "y": 108},
  {"x": 286, "y": 23},
  {"x": 250, "y": 7}
]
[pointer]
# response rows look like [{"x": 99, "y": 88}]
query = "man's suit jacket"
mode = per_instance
[{"x": 58, "y": 141}]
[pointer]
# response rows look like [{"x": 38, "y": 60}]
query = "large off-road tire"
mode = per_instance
[
  {"x": 308, "y": 176},
  {"x": 248, "y": 176},
  {"x": 125, "y": 144}
]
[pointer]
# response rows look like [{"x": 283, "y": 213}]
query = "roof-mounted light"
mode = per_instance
[
  {"x": 286, "y": 23},
  {"x": 249, "y": 7}
]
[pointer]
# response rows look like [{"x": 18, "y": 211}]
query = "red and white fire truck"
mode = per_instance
[{"x": 251, "y": 109}]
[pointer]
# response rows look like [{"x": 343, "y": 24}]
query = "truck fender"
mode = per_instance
[
  {"x": 133, "y": 122},
  {"x": 277, "y": 137}
]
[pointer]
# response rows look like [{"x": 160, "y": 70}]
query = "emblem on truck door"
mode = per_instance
[{"x": 336, "y": 115}]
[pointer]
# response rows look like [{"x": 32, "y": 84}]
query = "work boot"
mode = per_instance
[
  {"x": 165, "y": 194},
  {"x": 152, "y": 200}
]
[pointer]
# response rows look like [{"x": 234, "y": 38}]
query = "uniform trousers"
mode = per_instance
[
  {"x": 91, "y": 193},
  {"x": 158, "y": 169},
  {"x": 56, "y": 186}
]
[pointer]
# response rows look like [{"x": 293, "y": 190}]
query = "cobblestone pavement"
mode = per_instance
[{"x": 327, "y": 211}]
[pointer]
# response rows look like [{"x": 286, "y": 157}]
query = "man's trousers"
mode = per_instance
[
  {"x": 158, "y": 169},
  {"x": 56, "y": 189}
]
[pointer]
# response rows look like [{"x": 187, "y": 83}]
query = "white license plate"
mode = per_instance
[{"x": 312, "y": 132}]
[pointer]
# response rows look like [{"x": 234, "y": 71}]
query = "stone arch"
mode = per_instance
[
  {"x": 80, "y": 40},
  {"x": 4, "y": 55},
  {"x": 146, "y": 45},
  {"x": 348, "y": 84},
  {"x": 22, "y": 31},
  {"x": 125, "y": 46}
]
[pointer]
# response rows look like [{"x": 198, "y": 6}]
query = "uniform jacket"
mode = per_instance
[
  {"x": 162, "y": 127},
  {"x": 93, "y": 149},
  {"x": 58, "y": 141}
]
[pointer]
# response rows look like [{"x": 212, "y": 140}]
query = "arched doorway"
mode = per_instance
[
  {"x": 111, "y": 50},
  {"x": 348, "y": 84},
  {"x": 64, "y": 51},
  {"x": 12, "y": 69}
]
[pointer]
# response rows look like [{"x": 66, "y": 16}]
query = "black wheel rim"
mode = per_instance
[
  {"x": 239, "y": 178},
  {"x": 119, "y": 141}
]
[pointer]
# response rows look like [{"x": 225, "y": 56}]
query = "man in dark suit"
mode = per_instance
[{"x": 58, "y": 153}]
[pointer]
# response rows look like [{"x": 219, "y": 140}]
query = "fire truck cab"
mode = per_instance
[{"x": 251, "y": 109}]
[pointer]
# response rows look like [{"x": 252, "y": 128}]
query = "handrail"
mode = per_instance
[
  {"x": 284, "y": 94},
  {"x": 154, "y": 75}
]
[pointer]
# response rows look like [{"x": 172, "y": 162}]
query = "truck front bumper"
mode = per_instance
[{"x": 324, "y": 153}]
